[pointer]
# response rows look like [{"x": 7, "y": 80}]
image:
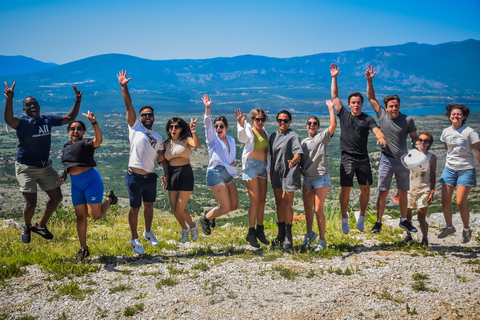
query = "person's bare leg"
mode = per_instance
[
  {"x": 447, "y": 194},
  {"x": 148, "y": 215},
  {"x": 381, "y": 204},
  {"x": 82, "y": 216},
  {"x": 462, "y": 197},
  {"x": 403, "y": 202},
  {"x": 320, "y": 196},
  {"x": 344, "y": 200},
  {"x": 364, "y": 198},
  {"x": 133, "y": 221},
  {"x": 29, "y": 207},
  {"x": 308, "y": 203},
  {"x": 55, "y": 197},
  {"x": 422, "y": 215}
]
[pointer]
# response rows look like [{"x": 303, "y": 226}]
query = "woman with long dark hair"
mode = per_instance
[{"x": 179, "y": 180}]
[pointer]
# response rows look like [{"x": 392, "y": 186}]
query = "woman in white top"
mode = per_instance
[
  {"x": 179, "y": 177},
  {"x": 255, "y": 165},
  {"x": 221, "y": 168},
  {"x": 316, "y": 180},
  {"x": 460, "y": 142}
]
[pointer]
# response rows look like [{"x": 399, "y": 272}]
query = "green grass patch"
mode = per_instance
[
  {"x": 131, "y": 311},
  {"x": 285, "y": 272},
  {"x": 119, "y": 288},
  {"x": 11, "y": 270},
  {"x": 202, "y": 266},
  {"x": 61, "y": 268},
  {"x": 170, "y": 282},
  {"x": 72, "y": 289}
]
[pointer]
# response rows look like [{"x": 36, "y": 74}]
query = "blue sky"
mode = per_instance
[{"x": 64, "y": 31}]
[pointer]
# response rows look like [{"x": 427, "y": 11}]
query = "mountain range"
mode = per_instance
[{"x": 420, "y": 74}]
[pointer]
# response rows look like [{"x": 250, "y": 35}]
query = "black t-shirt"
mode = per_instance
[
  {"x": 354, "y": 131},
  {"x": 78, "y": 154}
]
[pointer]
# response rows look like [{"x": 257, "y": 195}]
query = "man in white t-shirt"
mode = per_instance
[{"x": 141, "y": 180}]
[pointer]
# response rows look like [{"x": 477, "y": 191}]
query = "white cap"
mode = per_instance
[{"x": 415, "y": 161}]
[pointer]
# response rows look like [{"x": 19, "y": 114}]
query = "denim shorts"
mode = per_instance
[
  {"x": 466, "y": 178},
  {"x": 314, "y": 183},
  {"x": 141, "y": 188},
  {"x": 254, "y": 169},
  {"x": 87, "y": 187},
  {"x": 217, "y": 176},
  {"x": 389, "y": 166}
]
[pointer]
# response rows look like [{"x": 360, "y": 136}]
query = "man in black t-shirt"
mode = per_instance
[{"x": 355, "y": 127}]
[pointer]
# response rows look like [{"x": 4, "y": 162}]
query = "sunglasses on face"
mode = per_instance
[
  {"x": 174, "y": 126},
  {"x": 73, "y": 129},
  {"x": 261, "y": 119},
  {"x": 283, "y": 120},
  {"x": 31, "y": 104},
  {"x": 219, "y": 126},
  {"x": 314, "y": 123},
  {"x": 424, "y": 140},
  {"x": 147, "y": 115}
]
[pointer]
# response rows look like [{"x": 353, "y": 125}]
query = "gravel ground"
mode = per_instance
[{"x": 380, "y": 285}]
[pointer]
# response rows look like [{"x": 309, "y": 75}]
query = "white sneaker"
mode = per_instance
[
  {"x": 137, "y": 246},
  {"x": 345, "y": 226},
  {"x": 185, "y": 233},
  {"x": 195, "y": 232},
  {"x": 360, "y": 221},
  {"x": 150, "y": 237}
]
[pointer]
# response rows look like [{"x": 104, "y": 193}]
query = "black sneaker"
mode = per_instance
[
  {"x": 377, "y": 227},
  {"x": 212, "y": 222},
  {"x": 41, "y": 231},
  {"x": 82, "y": 254},
  {"x": 112, "y": 196},
  {"x": 26, "y": 234},
  {"x": 252, "y": 240},
  {"x": 205, "y": 224},
  {"x": 424, "y": 242},
  {"x": 407, "y": 239},
  {"x": 260, "y": 234},
  {"x": 407, "y": 226}
]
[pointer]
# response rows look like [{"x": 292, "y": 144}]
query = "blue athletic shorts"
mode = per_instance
[
  {"x": 87, "y": 187},
  {"x": 466, "y": 178},
  {"x": 217, "y": 176},
  {"x": 254, "y": 169},
  {"x": 140, "y": 188},
  {"x": 314, "y": 183}
]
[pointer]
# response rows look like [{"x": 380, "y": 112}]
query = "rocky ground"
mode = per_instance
[{"x": 371, "y": 282}]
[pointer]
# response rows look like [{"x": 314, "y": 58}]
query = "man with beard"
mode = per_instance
[
  {"x": 396, "y": 126},
  {"x": 33, "y": 165},
  {"x": 141, "y": 180}
]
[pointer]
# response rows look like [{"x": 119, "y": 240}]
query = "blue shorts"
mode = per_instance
[
  {"x": 87, "y": 187},
  {"x": 388, "y": 166},
  {"x": 254, "y": 169},
  {"x": 141, "y": 188},
  {"x": 217, "y": 176},
  {"x": 466, "y": 178},
  {"x": 314, "y": 183}
]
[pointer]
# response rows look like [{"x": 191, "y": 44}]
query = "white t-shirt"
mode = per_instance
[
  {"x": 459, "y": 147},
  {"x": 144, "y": 146}
]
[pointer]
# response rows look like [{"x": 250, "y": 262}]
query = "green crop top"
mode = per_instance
[{"x": 260, "y": 143}]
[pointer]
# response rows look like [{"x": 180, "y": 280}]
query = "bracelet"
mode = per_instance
[
  {"x": 94, "y": 123},
  {"x": 193, "y": 131},
  {"x": 432, "y": 191},
  {"x": 382, "y": 137},
  {"x": 77, "y": 100}
]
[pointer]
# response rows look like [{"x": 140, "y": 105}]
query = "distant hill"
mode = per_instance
[
  {"x": 419, "y": 73},
  {"x": 20, "y": 64}
]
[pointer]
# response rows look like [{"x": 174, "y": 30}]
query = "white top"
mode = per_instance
[
  {"x": 247, "y": 136},
  {"x": 459, "y": 147},
  {"x": 144, "y": 146},
  {"x": 420, "y": 180},
  {"x": 220, "y": 155}
]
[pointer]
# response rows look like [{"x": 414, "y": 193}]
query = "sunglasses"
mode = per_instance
[
  {"x": 174, "y": 126},
  {"x": 73, "y": 129},
  {"x": 147, "y": 115},
  {"x": 314, "y": 123},
  {"x": 31, "y": 104},
  {"x": 261, "y": 119},
  {"x": 424, "y": 140},
  {"x": 219, "y": 126},
  {"x": 283, "y": 120}
]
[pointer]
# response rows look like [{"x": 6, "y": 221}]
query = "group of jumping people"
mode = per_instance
[{"x": 280, "y": 155}]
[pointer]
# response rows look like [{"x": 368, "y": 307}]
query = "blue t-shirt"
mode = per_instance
[{"x": 34, "y": 137}]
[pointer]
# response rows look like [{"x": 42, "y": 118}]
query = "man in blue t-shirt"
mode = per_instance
[{"x": 33, "y": 165}]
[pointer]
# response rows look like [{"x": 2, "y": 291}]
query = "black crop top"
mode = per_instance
[{"x": 78, "y": 154}]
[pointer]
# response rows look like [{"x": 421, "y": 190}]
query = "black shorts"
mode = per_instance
[
  {"x": 180, "y": 178},
  {"x": 358, "y": 165}
]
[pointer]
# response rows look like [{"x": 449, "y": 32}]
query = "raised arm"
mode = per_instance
[
  {"x": 333, "y": 119},
  {"x": 370, "y": 92},
  {"x": 380, "y": 137},
  {"x": 336, "y": 101},
  {"x": 97, "y": 141},
  {"x": 433, "y": 177},
  {"x": 194, "y": 141},
  {"x": 209, "y": 131},
  {"x": 208, "y": 103},
  {"x": 11, "y": 120},
  {"x": 123, "y": 80},
  {"x": 72, "y": 114}
]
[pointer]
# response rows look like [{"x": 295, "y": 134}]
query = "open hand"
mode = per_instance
[
  {"x": 122, "y": 78},
  {"x": 240, "y": 117},
  {"x": 206, "y": 101},
  {"x": 329, "y": 104},
  {"x": 334, "y": 70}
]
